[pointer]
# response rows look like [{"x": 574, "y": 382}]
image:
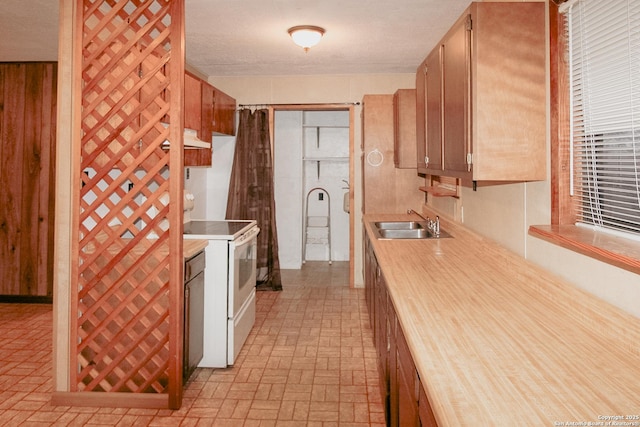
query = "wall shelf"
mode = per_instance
[{"x": 442, "y": 186}]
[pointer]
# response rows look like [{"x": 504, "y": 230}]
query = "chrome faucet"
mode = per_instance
[
  {"x": 410, "y": 211},
  {"x": 433, "y": 226}
]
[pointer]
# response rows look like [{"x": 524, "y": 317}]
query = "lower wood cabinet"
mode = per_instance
[
  {"x": 382, "y": 336},
  {"x": 404, "y": 396},
  {"x": 377, "y": 303},
  {"x": 407, "y": 383},
  {"x": 370, "y": 265},
  {"x": 425, "y": 413}
]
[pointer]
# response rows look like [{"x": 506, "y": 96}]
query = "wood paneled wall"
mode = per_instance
[{"x": 27, "y": 170}]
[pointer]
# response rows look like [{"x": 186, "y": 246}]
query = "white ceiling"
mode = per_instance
[{"x": 249, "y": 37}]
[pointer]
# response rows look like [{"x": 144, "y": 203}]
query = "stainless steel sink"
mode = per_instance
[
  {"x": 399, "y": 225},
  {"x": 418, "y": 233},
  {"x": 405, "y": 230}
]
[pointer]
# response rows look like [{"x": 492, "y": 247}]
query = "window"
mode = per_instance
[{"x": 603, "y": 43}]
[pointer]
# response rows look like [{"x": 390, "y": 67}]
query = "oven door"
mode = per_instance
[
  {"x": 242, "y": 291},
  {"x": 242, "y": 269}
]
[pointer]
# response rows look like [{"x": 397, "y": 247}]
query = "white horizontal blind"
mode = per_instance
[{"x": 604, "y": 58}]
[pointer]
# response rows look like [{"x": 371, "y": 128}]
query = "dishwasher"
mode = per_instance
[{"x": 193, "y": 314}]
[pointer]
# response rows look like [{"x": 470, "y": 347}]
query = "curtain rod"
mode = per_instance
[{"x": 316, "y": 104}]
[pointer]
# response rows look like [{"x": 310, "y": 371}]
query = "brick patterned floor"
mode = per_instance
[{"x": 309, "y": 361}]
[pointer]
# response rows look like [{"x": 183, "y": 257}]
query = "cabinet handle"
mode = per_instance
[{"x": 426, "y": 160}]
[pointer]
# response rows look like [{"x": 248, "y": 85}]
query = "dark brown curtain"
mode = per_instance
[{"x": 251, "y": 192}]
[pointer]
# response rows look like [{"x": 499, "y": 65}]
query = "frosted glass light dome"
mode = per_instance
[{"x": 306, "y": 36}]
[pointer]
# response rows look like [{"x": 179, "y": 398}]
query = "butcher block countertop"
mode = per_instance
[
  {"x": 498, "y": 341},
  {"x": 192, "y": 247}
]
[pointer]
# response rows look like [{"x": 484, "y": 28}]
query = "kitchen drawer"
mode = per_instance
[{"x": 193, "y": 266}]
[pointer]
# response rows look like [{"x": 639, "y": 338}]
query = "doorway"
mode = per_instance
[{"x": 313, "y": 173}]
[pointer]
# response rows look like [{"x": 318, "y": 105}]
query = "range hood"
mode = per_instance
[{"x": 190, "y": 138}]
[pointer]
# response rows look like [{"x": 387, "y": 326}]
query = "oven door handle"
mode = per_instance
[{"x": 247, "y": 237}]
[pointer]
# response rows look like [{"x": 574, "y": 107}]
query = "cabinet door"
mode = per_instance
[
  {"x": 370, "y": 265},
  {"x": 199, "y": 156},
  {"x": 407, "y": 383},
  {"x": 382, "y": 338},
  {"x": 404, "y": 127},
  {"x": 427, "y": 419},
  {"x": 224, "y": 113},
  {"x": 455, "y": 53},
  {"x": 206, "y": 125},
  {"x": 421, "y": 117},
  {"x": 378, "y": 172},
  {"x": 433, "y": 83},
  {"x": 393, "y": 367},
  {"x": 192, "y": 102}
]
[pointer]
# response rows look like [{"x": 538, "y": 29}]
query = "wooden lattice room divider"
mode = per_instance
[{"x": 127, "y": 290}]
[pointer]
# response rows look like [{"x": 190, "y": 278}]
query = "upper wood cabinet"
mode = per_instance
[
  {"x": 404, "y": 141},
  {"x": 385, "y": 188},
  {"x": 209, "y": 111},
  {"x": 421, "y": 117},
  {"x": 206, "y": 116},
  {"x": 481, "y": 112},
  {"x": 224, "y": 113},
  {"x": 196, "y": 100},
  {"x": 198, "y": 109},
  {"x": 429, "y": 113},
  {"x": 192, "y": 102}
]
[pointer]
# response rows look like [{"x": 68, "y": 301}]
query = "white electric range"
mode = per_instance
[{"x": 230, "y": 280}]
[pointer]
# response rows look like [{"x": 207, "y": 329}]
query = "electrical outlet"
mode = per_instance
[
  {"x": 188, "y": 173},
  {"x": 320, "y": 196}
]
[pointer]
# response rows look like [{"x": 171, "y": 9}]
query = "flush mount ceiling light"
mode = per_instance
[{"x": 306, "y": 36}]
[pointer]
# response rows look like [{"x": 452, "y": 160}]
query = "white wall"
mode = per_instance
[
  {"x": 505, "y": 212},
  {"x": 320, "y": 89},
  {"x": 288, "y": 187},
  {"x": 210, "y": 185}
]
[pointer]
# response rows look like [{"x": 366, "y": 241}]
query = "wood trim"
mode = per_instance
[
  {"x": 333, "y": 107},
  {"x": 111, "y": 400},
  {"x": 75, "y": 124},
  {"x": 26, "y": 299},
  {"x": 561, "y": 206},
  {"x": 618, "y": 251},
  {"x": 352, "y": 215},
  {"x": 176, "y": 214}
]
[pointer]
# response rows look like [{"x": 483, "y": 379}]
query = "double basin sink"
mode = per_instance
[{"x": 407, "y": 230}]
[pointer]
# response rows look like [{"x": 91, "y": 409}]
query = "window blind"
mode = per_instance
[{"x": 604, "y": 66}]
